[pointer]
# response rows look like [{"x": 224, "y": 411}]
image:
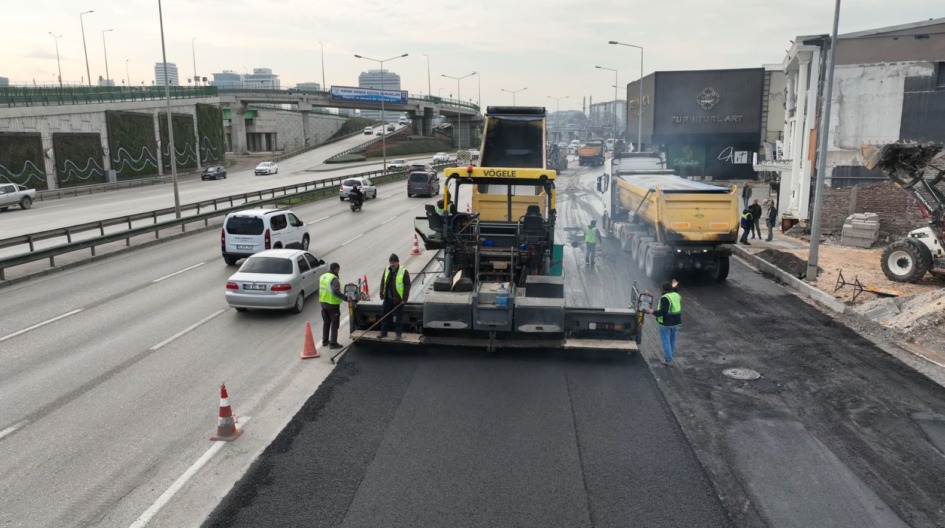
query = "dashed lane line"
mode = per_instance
[
  {"x": 178, "y": 272},
  {"x": 37, "y": 325}
]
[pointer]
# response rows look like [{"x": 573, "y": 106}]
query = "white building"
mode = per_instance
[
  {"x": 309, "y": 86},
  {"x": 378, "y": 80},
  {"x": 261, "y": 79},
  {"x": 171, "y": 74},
  {"x": 889, "y": 85},
  {"x": 227, "y": 79}
]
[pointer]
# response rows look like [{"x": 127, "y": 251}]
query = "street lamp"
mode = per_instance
[
  {"x": 459, "y": 116},
  {"x": 640, "y": 109},
  {"x": 383, "y": 119},
  {"x": 84, "y": 49},
  {"x": 172, "y": 152},
  {"x": 322, "y": 46},
  {"x": 58, "y": 64},
  {"x": 513, "y": 92},
  {"x": 615, "y": 97},
  {"x": 105, "y": 49},
  {"x": 557, "y": 101},
  {"x": 193, "y": 53},
  {"x": 429, "y": 90}
]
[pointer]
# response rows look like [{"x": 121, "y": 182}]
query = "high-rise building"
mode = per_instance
[
  {"x": 309, "y": 86},
  {"x": 261, "y": 79},
  {"x": 227, "y": 79},
  {"x": 172, "y": 78},
  {"x": 378, "y": 80}
]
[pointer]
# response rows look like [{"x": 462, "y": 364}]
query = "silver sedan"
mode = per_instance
[{"x": 275, "y": 279}]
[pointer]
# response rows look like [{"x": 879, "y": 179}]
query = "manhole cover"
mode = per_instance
[{"x": 741, "y": 373}]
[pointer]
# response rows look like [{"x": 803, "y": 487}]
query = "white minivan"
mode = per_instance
[{"x": 248, "y": 232}]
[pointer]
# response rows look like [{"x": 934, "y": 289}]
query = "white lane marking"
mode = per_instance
[
  {"x": 352, "y": 240},
  {"x": 184, "y": 331},
  {"x": 389, "y": 220},
  {"x": 13, "y": 428},
  {"x": 319, "y": 220},
  {"x": 35, "y": 326},
  {"x": 165, "y": 497},
  {"x": 178, "y": 272}
]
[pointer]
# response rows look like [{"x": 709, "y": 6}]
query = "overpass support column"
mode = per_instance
[
  {"x": 238, "y": 128},
  {"x": 426, "y": 122},
  {"x": 306, "y": 128},
  {"x": 197, "y": 141}
]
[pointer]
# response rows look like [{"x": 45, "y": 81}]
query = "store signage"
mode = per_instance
[{"x": 708, "y": 98}]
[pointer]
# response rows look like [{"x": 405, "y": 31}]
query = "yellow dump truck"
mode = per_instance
[{"x": 669, "y": 224}]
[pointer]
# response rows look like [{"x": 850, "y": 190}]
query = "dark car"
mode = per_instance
[
  {"x": 423, "y": 184},
  {"x": 214, "y": 173}
]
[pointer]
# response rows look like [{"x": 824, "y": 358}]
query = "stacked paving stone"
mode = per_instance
[{"x": 860, "y": 230}]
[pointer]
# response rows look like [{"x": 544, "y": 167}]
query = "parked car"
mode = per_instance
[
  {"x": 367, "y": 188},
  {"x": 423, "y": 184},
  {"x": 397, "y": 164},
  {"x": 248, "y": 232},
  {"x": 276, "y": 279},
  {"x": 441, "y": 157},
  {"x": 267, "y": 167},
  {"x": 421, "y": 167},
  {"x": 368, "y": 131},
  {"x": 12, "y": 194},
  {"x": 214, "y": 173}
]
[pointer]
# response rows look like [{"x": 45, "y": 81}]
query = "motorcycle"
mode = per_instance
[{"x": 356, "y": 201}]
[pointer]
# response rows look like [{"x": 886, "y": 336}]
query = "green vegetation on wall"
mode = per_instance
[
  {"x": 210, "y": 129},
  {"x": 184, "y": 141},
  {"x": 78, "y": 159},
  {"x": 21, "y": 159},
  {"x": 131, "y": 144}
]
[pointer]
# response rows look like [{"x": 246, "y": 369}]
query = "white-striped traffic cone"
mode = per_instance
[{"x": 226, "y": 427}]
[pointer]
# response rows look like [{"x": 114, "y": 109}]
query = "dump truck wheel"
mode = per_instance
[
  {"x": 655, "y": 267},
  {"x": 645, "y": 244},
  {"x": 720, "y": 272},
  {"x": 906, "y": 261}
]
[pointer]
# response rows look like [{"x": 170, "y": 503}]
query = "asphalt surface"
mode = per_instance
[{"x": 834, "y": 432}]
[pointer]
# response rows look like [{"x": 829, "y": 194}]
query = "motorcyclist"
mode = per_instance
[{"x": 356, "y": 196}]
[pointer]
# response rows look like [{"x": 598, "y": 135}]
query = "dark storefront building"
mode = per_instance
[{"x": 708, "y": 122}]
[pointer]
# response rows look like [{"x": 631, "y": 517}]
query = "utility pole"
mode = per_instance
[
  {"x": 172, "y": 151},
  {"x": 105, "y": 49},
  {"x": 84, "y": 49}
]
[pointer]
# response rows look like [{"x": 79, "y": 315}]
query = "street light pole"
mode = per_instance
[
  {"x": 459, "y": 116},
  {"x": 383, "y": 119},
  {"x": 513, "y": 92},
  {"x": 322, "y": 47},
  {"x": 105, "y": 50},
  {"x": 193, "y": 53},
  {"x": 58, "y": 64},
  {"x": 84, "y": 49},
  {"x": 172, "y": 152},
  {"x": 557, "y": 110},
  {"x": 640, "y": 109},
  {"x": 429, "y": 89},
  {"x": 615, "y": 98},
  {"x": 127, "y": 75},
  {"x": 822, "y": 153}
]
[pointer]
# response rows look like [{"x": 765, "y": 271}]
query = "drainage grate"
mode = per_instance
[{"x": 741, "y": 373}]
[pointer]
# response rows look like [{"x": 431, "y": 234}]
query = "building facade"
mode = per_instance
[
  {"x": 889, "y": 85},
  {"x": 602, "y": 118},
  {"x": 227, "y": 79},
  {"x": 261, "y": 79},
  {"x": 309, "y": 86},
  {"x": 159, "y": 70}
]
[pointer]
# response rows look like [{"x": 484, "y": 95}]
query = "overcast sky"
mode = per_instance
[{"x": 549, "y": 47}]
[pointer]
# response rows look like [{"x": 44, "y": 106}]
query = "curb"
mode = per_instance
[{"x": 791, "y": 281}]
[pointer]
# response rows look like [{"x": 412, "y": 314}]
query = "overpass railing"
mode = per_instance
[
  {"x": 12, "y": 96},
  {"x": 425, "y": 99}
]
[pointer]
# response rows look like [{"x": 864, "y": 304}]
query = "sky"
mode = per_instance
[{"x": 541, "y": 50}]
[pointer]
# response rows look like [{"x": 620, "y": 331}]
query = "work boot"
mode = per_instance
[
  {"x": 335, "y": 346},
  {"x": 398, "y": 337},
  {"x": 324, "y": 342},
  {"x": 382, "y": 335}
]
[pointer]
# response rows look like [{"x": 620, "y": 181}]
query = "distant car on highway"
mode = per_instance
[
  {"x": 213, "y": 173},
  {"x": 402, "y": 121},
  {"x": 397, "y": 164},
  {"x": 367, "y": 188},
  {"x": 441, "y": 157},
  {"x": 421, "y": 167},
  {"x": 368, "y": 131},
  {"x": 276, "y": 279},
  {"x": 267, "y": 167}
]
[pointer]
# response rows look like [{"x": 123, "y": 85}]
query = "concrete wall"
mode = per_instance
[
  {"x": 893, "y": 46},
  {"x": 897, "y": 210},
  {"x": 289, "y": 127},
  {"x": 777, "y": 91}
]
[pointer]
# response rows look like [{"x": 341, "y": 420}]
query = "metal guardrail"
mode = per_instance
[
  {"x": 314, "y": 190},
  {"x": 12, "y": 96}
]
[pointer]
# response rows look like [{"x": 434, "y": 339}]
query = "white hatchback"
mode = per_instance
[{"x": 248, "y": 232}]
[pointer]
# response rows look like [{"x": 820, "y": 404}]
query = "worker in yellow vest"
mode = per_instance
[
  {"x": 669, "y": 316},
  {"x": 330, "y": 297},
  {"x": 395, "y": 290},
  {"x": 591, "y": 237}
]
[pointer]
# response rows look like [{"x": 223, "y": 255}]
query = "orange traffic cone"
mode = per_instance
[
  {"x": 416, "y": 245},
  {"x": 308, "y": 349},
  {"x": 226, "y": 427},
  {"x": 365, "y": 291}
]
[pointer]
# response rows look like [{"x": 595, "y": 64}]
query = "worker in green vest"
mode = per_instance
[
  {"x": 591, "y": 237},
  {"x": 669, "y": 316},
  {"x": 395, "y": 290},
  {"x": 330, "y": 297}
]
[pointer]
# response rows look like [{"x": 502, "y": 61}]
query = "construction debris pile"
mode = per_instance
[{"x": 918, "y": 319}]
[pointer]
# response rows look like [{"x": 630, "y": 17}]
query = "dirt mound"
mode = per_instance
[{"x": 786, "y": 261}]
